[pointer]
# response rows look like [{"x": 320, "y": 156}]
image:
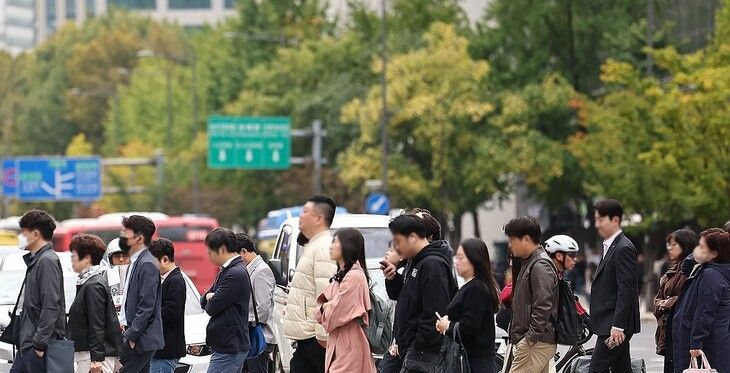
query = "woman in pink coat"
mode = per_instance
[{"x": 344, "y": 304}]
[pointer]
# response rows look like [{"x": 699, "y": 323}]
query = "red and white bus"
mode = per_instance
[{"x": 187, "y": 233}]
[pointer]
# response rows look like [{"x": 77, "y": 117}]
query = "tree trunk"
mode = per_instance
[{"x": 475, "y": 213}]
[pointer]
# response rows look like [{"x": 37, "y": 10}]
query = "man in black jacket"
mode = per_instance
[
  {"x": 43, "y": 317},
  {"x": 426, "y": 287},
  {"x": 392, "y": 362},
  {"x": 173, "y": 308},
  {"x": 227, "y": 304},
  {"x": 614, "y": 295}
]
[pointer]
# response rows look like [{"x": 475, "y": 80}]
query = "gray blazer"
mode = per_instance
[
  {"x": 143, "y": 306},
  {"x": 263, "y": 283}
]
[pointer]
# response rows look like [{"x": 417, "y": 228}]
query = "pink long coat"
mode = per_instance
[{"x": 348, "y": 350}]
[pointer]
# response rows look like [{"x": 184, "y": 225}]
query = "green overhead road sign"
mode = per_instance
[{"x": 249, "y": 142}]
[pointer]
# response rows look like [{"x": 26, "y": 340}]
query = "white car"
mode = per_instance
[
  {"x": 196, "y": 361},
  {"x": 287, "y": 252}
]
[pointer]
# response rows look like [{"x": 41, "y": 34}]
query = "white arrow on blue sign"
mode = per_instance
[
  {"x": 58, "y": 179},
  {"x": 377, "y": 203}
]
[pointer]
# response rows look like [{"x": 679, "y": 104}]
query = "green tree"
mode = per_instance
[
  {"x": 661, "y": 146},
  {"x": 444, "y": 155},
  {"x": 527, "y": 41}
]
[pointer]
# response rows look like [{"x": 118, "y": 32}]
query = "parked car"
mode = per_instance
[
  {"x": 287, "y": 252},
  {"x": 196, "y": 361}
]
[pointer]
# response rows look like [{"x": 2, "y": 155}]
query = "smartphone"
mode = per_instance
[{"x": 383, "y": 264}]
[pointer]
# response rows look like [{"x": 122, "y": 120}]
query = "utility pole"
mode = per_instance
[
  {"x": 168, "y": 81},
  {"x": 317, "y": 156},
  {"x": 649, "y": 36},
  {"x": 384, "y": 82}
]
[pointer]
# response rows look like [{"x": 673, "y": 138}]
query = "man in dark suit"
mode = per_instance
[
  {"x": 614, "y": 294},
  {"x": 226, "y": 302},
  {"x": 141, "y": 316},
  {"x": 173, "y": 308}
]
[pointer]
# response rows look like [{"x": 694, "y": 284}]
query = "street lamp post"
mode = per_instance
[{"x": 384, "y": 114}]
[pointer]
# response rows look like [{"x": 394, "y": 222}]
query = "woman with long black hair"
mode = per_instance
[
  {"x": 344, "y": 305},
  {"x": 472, "y": 309}
]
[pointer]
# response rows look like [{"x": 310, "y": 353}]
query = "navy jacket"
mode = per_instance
[
  {"x": 614, "y": 293},
  {"x": 173, "y": 315},
  {"x": 227, "y": 330},
  {"x": 702, "y": 318},
  {"x": 144, "y": 304}
]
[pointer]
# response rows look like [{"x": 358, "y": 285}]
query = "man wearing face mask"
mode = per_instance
[
  {"x": 141, "y": 314},
  {"x": 43, "y": 317}
]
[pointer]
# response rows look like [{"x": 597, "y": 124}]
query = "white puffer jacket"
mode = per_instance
[{"x": 312, "y": 276}]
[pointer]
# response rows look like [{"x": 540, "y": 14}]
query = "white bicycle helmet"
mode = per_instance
[
  {"x": 111, "y": 249},
  {"x": 561, "y": 243}
]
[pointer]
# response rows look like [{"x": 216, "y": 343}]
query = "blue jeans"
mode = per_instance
[
  {"x": 227, "y": 363},
  {"x": 163, "y": 366}
]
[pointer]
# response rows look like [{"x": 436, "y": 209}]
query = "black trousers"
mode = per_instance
[
  {"x": 483, "y": 365},
  {"x": 390, "y": 364},
  {"x": 616, "y": 360},
  {"x": 308, "y": 357},
  {"x": 133, "y": 361},
  {"x": 27, "y": 361},
  {"x": 261, "y": 363}
]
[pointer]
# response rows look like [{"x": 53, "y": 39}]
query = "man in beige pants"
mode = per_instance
[{"x": 534, "y": 299}]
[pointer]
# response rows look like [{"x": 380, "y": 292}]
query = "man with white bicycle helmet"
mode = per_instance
[
  {"x": 114, "y": 254},
  {"x": 563, "y": 250}
]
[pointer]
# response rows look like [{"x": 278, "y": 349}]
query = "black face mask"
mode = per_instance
[{"x": 124, "y": 245}]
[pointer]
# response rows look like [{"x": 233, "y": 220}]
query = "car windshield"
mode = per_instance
[{"x": 10, "y": 282}]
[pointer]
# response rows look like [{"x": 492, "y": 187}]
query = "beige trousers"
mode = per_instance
[
  {"x": 535, "y": 358},
  {"x": 82, "y": 362}
]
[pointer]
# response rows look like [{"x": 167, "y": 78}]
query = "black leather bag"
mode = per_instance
[
  {"x": 456, "y": 358},
  {"x": 11, "y": 334}
]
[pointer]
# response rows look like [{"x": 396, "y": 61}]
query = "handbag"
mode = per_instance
[
  {"x": 11, "y": 334},
  {"x": 456, "y": 359},
  {"x": 255, "y": 330},
  {"x": 60, "y": 356},
  {"x": 426, "y": 361},
  {"x": 694, "y": 368}
]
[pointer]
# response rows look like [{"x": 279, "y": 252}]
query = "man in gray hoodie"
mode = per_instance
[{"x": 43, "y": 316}]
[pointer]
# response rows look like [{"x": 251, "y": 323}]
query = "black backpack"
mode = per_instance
[{"x": 568, "y": 328}]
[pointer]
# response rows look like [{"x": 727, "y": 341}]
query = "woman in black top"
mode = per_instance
[
  {"x": 474, "y": 306},
  {"x": 92, "y": 318}
]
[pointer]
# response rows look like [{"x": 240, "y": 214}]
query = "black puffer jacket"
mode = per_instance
[
  {"x": 426, "y": 287},
  {"x": 93, "y": 321}
]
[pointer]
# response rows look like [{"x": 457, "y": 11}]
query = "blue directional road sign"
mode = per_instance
[
  {"x": 377, "y": 203},
  {"x": 59, "y": 179},
  {"x": 10, "y": 177}
]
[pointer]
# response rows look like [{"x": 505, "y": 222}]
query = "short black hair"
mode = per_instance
[
  {"x": 220, "y": 237},
  {"x": 39, "y": 220},
  {"x": 406, "y": 224},
  {"x": 140, "y": 225},
  {"x": 433, "y": 227},
  {"x": 88, "y": 245},
  {"x": 162, "y": 247},
  {"x": 610, "y": 208},
  {"x": 522, "y": 226},
  {"x": 245, "y": 243},
  {"x": 326, "y": 207}
]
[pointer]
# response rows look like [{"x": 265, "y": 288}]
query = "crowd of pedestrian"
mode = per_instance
[{"x": 330, "y": 303}]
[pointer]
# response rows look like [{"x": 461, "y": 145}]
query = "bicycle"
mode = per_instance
[{"x": 562, "y": 364}]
